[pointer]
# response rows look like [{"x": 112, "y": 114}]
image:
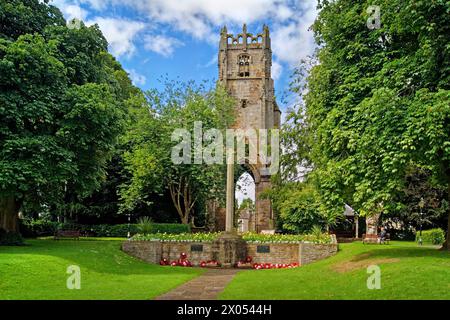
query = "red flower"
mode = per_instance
[{"x": 164, "y": 262}]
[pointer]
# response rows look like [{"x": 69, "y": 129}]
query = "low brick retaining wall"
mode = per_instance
[{"x": 301, "y": 253}]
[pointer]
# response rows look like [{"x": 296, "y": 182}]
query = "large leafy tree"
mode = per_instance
[
  {"x": 150, "y": 145},
  {"x": 377, "y": 101},
  {"x": 62, "y": 98}
]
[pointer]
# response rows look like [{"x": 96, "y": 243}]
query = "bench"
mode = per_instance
[
  {"x": 373, "y": 238},
  {"x": 73, "y": 234}
]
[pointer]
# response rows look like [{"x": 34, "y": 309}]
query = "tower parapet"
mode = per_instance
[{"x": 245, "y": 39}]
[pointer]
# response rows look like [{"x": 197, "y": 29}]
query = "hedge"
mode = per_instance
[
  {"x": 433, "y": 236},
  {"x": 35, "y": 228}
]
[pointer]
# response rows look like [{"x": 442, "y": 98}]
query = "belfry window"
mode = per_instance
[{"x": 244, "y": 65}]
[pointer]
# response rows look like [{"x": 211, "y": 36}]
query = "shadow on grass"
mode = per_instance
[
  {"x": 98, "y": 256},
  {"x": 401, "y": 252}
]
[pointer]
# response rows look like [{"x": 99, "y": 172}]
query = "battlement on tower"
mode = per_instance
[{"x": 244, "y": 39}]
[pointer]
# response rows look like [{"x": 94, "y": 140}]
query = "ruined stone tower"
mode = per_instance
[{"x": 245, "y": 62}]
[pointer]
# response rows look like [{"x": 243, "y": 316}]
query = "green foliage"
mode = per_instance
[
  {"x": 180, "y": 237},
  {"x": 433, "y": 236},
  {"x": 247, "y": 203},
  {"x": 171, "y": 228},
  {"x": 63, "y": 99},
  {"x": 316, "y": 231},
  {"x": 150, "y": 144},
  {"x": 317, "y": 236},
  {"x": 144, "y": 225},
  {"x": 105, "y": 230},
  {"x": 376, "y": 102},
  {"x": 300, "y": 211},
  {"x": 249, "y": 236},
  {"x": 18, "y": 17},
  {"x": 300, "y": 207},
  {"x": 38, "y": 227},
  {"x": 42, "y": 227}
]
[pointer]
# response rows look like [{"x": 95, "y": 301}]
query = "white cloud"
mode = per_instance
[
  {"x": 277, "y": 69},
  {"x": 245, "y": 188},
  {"x": 290, "y": 20},
  {"x": 138, "y": 79},
  {"x": 200, "y": 18},
  {"x": 70, "y": 10},
  {"x": 162, "y": 45},
  {"x": 291, "y": 39},
  {"x": 294, "y": 41},
  {"x": 120, "y": 34},
  {"x": 96, "y": 4}
]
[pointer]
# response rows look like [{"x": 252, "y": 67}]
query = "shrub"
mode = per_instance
[
  {"x": 207, "y": 237},
  {"x": 106, "y": 230},
  {"x": 39, "y": 228},
  {"x": 249, "y": 237},
  {"x": 34, "y": 228},
  {"x": 318, "y": 237},
  {"x": 121, "y": 230},
  {"x": 299, "y": 209},
  {"x": 145, "y": 225},
  {"x": 433, "y": 236},
  {"x": 170, "y": 228},
  {"x": 10, "y": 238}
]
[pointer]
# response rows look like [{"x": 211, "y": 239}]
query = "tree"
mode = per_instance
[
  {"x": 247, "y": 203},
  {"x": 150, "y": 145},
  {"x": 377, "y": 101},
  {"x": 61, "y": 108}
]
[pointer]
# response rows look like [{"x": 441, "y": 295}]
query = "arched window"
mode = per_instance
[{"x": 244, "y": 65}]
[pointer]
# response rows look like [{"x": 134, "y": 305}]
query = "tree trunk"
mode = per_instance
[
  {"x": 177, "y": 191},
  {"x": 9, "y": 211}
]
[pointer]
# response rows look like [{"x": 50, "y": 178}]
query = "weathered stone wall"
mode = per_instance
[
  {"x": 301, "y": 253},
  {"x": 149, "y": 251},
  {"x": 310, "y": 252},
  {"x": 172, "y": 251},
  {"x": 279, "y": 253}
]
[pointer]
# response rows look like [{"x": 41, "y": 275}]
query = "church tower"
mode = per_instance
[{"x": 245, "y": 62}]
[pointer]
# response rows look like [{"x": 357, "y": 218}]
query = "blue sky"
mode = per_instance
[{"x": 179, "y": 38}]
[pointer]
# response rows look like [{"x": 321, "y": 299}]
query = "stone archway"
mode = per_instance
[{"x": 263, "y": 219}]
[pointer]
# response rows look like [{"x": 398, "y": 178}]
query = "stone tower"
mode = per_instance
[{"x": 245, "y": 62}]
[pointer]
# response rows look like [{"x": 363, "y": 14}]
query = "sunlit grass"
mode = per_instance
[
  {"x": 407, "y": 272},
  {"x": 38, "y": 271}
]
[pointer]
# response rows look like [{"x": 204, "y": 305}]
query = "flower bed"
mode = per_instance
[
  {"x": 286, "y": 238},
  {"x": 249, "y": 237},
  {"x": 181, "y": 237}
]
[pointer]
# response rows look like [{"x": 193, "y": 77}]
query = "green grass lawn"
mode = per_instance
[
  {"x": 38, "y": 271},
  {"x": 407, "y": 272}
]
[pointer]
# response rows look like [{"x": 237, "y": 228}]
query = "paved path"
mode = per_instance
[{"x": 205, "y": 287}]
